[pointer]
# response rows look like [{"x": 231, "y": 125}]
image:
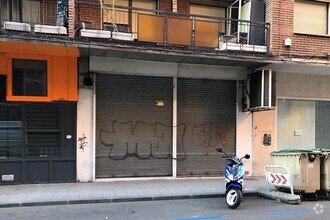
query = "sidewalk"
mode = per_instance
[{"x": 120, "y": 191}]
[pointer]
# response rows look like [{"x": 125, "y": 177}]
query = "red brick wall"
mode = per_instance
[
  {"x": 71, "y": 18},
  {"x": 280, "y": 13},
  {"x": 49, "y": 11},
  {"x": 183, "y": 6},
  {"x": 165, "y": 5},
  {"x": 90, "y": 14}
]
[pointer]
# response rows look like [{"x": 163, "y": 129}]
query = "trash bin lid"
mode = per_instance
[
  {"x": 292, "y": 150},
  {"x": 321, "y": 151}
]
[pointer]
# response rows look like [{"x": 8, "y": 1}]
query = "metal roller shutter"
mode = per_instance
[
  {"x": 206, "y": 119},
  {"x": 133, "y": 135}
]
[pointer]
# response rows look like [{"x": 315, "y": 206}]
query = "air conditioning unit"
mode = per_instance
[
  {"x": 261, "y": 95},
  {"x": 48, "y": 29},
  {"x": 16, "y": 26}
]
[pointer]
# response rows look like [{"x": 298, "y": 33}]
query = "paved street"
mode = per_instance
[{"x": 189, "y": 209}]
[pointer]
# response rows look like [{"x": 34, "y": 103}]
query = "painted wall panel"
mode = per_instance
[
  {"x": 61, "y": 75},
  {"x": 263, "y": 123},
  {"x": 60, "y": 78},
  {"x": 296, "y": 124},
  {"x": 73, "y": 79},
  {"x": 85, "y": 155},
  {"x": 3, "y": 64},
  {"x": 302, "y": 85}
]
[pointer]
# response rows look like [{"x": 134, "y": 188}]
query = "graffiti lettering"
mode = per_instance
[
  {"x": 208, "y": 134},
  {"x": 154, "y": 140},
  {"x": 82, "y": 142},
  {"x": 141, "y": 140}
]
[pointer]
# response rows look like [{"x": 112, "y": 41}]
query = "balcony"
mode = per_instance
[
  {"x": 105, "y": 23},
  {"x": 155, "y": 27},
  {"x": 35, "y": 17}
]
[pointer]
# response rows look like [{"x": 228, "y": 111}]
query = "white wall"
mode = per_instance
[
  {"x": 244, "y": 141},
  {"x": 85, "y": 157},
  {"x": 295, "y": 124},
  {"x": 244, "y": 133},
  {"x": 304, "y": 86}
]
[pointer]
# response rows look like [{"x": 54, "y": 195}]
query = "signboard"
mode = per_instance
[{"x": 278, "y": 179}]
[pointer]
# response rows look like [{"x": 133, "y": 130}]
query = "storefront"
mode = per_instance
[
  {"x": 37, "y": 113},
  {"x": 303, "y": 104},
  {"x": 137, "y": 117}
]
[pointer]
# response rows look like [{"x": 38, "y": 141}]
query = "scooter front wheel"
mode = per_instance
[{"x": 233, "y": 198}]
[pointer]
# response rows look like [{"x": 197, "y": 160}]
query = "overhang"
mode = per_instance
[
  {"x": 38, "y": 49},
  {"x": 188, "y": 56}
]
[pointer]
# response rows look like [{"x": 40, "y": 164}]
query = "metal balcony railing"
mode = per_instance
[
  {"x": 140, "y": 25},
  {"x": 168, "y": 28}
]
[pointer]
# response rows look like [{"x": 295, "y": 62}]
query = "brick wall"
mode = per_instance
[
  {"x": 49, "y": 12},
  {"x": 165, "y": 5},
  {"x": 89, "y": 14},
  {"x": 71, "y": 18},
  {"x": 183, "y": 6},
  {"x": 280, "y": 13}
]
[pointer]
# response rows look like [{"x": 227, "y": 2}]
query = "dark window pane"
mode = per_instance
[
  {"x": 29, "y": 77},
  {"x": 43, "y": 144},
  {"x": 10, "y": 10},
  {"x": 18, "y": 82},
  {"x": 43, "y": 130},
  {"x": 43, "y": 117},
  {"x": 10, "y": 131}
]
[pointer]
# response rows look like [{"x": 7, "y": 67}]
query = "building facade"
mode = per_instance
[{"x": 147, "y": 88}]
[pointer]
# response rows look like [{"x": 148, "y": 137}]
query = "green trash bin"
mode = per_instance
[{"x": 304, "y": 167}]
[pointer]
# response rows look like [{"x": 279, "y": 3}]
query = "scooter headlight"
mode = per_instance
[
  {"x": 234, "y": 170},
  {"x": 237, "y": 171}
]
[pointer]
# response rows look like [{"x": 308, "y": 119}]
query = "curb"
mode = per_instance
[{"x": 117, "y": 200}]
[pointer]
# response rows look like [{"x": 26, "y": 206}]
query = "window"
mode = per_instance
[
  {"x": 43, "y": 130},
  {"x": 20, "y": 11},
  {"x": 33, "y": 130},
  {"x": 10, "y": 131},
  {"x": 310, "y": 17},
  {"x": 10, "y": 10},
  {"x": 29, "y": 77}
]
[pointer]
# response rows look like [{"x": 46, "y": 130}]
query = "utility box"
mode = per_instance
[{"x": 304, "y": 167}]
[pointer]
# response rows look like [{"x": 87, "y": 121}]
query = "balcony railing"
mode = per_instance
[
  {"x": 168, "y": 28},
  {"x": 147, "y": 26}
]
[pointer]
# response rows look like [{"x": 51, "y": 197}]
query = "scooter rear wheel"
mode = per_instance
[{"x": 233, "y": 198}]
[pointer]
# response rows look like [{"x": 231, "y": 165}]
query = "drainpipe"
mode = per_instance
[{"x": 175, "y": 127}]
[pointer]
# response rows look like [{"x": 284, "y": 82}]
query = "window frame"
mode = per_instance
[
  {"x": 327, "y": 2},
  {"x": 10, "y": 96}
]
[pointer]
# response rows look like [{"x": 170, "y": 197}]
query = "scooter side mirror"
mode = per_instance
[
  {"x": 247, "y": 156},
  {"x": 219, "y": 149}
]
